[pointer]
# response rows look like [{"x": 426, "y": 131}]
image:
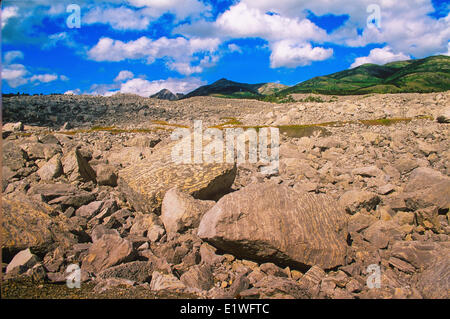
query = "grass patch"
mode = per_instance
[{"x": 164, "y": 123}]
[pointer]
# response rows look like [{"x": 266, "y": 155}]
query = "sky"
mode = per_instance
[{"x": 143, "y": 46}]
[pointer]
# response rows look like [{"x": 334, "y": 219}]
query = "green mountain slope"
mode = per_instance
[{"x": 431, "y": 74}]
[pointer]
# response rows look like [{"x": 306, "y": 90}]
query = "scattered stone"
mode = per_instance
[
  {"x": 147, "y": 225},
  {"x": 166, "y": 282},
  {"x": 198, "y": 276},
  {"x": 137, "y": 271},
  {"x": 109, "y": 250},
  {"x": 353, "y": 201}
]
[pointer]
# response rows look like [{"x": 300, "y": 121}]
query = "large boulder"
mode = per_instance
[
  {"x": 28, "y": 224},
  {"x": 434, "y": 282},
  {"x": 427, "y": 187},
  {"x": 14, "y": 157},
  {"x": 270, "y": 222},
  {"x": 145, "y": 184},
  {"x": 180, "y": 211}
]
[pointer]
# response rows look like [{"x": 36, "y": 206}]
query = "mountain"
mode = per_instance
[
  {"x": 231, "y": 89},
  {"x": 165, "y": 94},
  {"x": 431, "y": 74}
]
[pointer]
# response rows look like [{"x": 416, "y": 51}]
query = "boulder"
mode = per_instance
[
  {"x": 434, "y": 282},
  {"x": 165, "y": 282},
  {"x": 106, "y": 175},
  {"x": 23, "y": 260},
  {"x": 41, "y": 151},
  {"x": 199, "y": 277},
  {"x": 138, "y": 271},
  {"x": 13, "y": 156},
  {"x": 145, "y": 184},
  {"x": 28, "y": 224},
  {"x": 76, "y": 167},
  {"x": 368, "y": 171},
  {"x": 354, "y": 200},
  {"x": 180, "y": 211},
  {"x": 90, "y": 210},
  {"x": 427, "y": 187},
  {"x": 444, "y": 116},
  {"x": 51, "y": 169},
  {"x": 147, "y": 225},
  {"x": 270, "y": 222},
  {"x": 419, "y": 254},
  {"x": 49, "y": 191},
  {"x": 109, "y": 250},
  {"x": 381, "y": 233}
]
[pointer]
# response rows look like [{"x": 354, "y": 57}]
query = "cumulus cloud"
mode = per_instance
[
  {"x": 17, "y": 74},
  {"x": 289, "y": 54},
  {"x": 146, "y": 88},
  {"x": 182, "y": 9},
  {"x": 10, "y": 56},
  {"x": 44, "y": 78},
  {"x": 406, "y": 26},
  {"x": 179, "y": 52},
  {"x": 73, "y": 92},
  {"x": 380, "y": 56},
  {"x": 14, "y": 75},
  {"x": 124, "y": 75},
  {"x": 289, "y": 37},
  {"x": 121, "y": 18},
  {"x": 8, "y": 13},
  {"x": 234, "y": 48}
]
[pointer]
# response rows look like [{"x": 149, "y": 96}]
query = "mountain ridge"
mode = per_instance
[{"x": 431, "y": 74}]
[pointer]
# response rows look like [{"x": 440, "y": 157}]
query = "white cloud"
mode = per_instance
[
  {"x": 10, "y": 56},
  {"x": 406, "y": 26},
  {"x": 124, "y": 75},
  {"x": 147, "y": 88},
  {"x": 17, "y": 74},
  {"x": 182, "y": 9},
  {"x": 289, "y": 54},
  {"x": 179, "y": 52},
  {"x": 14, "y": 74},
  {"x": 244, "y": 21},
  {"x": 380, "y": 56},
  {"x": 73, "y": 92},
  {"x": 288, "y": 36},
  {"x": 8, "y": 13},
  {"x": 45, "y": 78},
  {"x": 234, "y": 48},
  {"x": 121, "y": 18}
]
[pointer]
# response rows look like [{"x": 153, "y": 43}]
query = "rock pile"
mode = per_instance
[{"x": 366, "y": 195}]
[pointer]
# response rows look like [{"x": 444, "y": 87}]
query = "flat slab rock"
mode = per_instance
[
  {"x": 145, "y": 184},
  {"x": 270, "y": 222}
]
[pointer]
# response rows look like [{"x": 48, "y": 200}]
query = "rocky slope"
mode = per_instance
[{"x": 362, "y": 181}]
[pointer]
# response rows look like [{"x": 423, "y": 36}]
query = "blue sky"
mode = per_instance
[{"x": 142, "y": 46}]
